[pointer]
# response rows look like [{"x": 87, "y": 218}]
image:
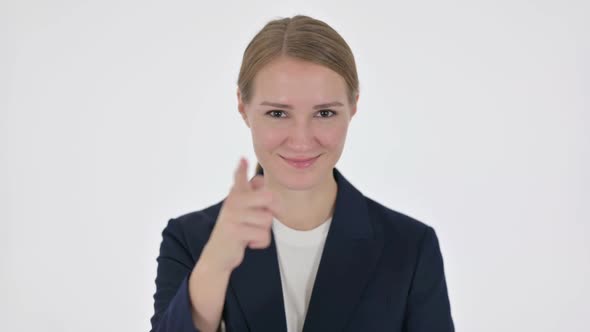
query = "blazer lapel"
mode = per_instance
[
  {"x": 257, "y": 286},
  {"x": 351, "y": 253}
]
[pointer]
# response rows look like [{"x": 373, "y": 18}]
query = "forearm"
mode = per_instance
[{"x": 207, "y": 288}]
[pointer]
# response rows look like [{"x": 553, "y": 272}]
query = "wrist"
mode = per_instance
[{"x": 207, "y": 265}]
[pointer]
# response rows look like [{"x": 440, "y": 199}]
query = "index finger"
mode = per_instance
[{"x": 241, "y": 176}]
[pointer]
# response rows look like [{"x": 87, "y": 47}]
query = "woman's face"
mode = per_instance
[{"x": 298, "y": 110}]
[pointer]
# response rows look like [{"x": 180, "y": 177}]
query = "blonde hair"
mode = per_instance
[{"x": 301, "y": 37}]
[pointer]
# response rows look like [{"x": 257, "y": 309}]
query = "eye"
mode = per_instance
[
  {"x": 275, "y": 112},
  {"x": 326, "y": 112}
]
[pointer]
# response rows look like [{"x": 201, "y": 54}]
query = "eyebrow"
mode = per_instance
[{"x": 326, "y": 105}]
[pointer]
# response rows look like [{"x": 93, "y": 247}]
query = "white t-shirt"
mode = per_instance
[{"x": 299, "y": 254}]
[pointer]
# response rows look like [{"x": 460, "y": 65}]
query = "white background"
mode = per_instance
[{"x": 118, "y": 115}]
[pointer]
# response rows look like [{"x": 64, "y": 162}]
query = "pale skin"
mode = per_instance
[
  {"x": 304, "y": 198},
  {"x": 298, "y": 110}
]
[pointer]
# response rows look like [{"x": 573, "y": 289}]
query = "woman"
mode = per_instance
[{"x": 298, "y": 247}]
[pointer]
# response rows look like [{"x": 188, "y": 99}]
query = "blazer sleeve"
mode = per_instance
[
  {"x": 428, "y": 302},
  {"x": 172, "y": 307}
]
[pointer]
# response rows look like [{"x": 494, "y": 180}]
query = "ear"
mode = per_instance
[
  {"x": 242, "y": 108},
  {"x": 355, "y": 106}
]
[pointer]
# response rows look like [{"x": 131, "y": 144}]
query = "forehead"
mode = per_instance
[{"x": 293, "y": 80}]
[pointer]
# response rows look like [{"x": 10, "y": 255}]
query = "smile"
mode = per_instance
[{"x": 300, "y": 163}]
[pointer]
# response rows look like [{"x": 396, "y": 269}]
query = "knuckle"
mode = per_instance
[
  {"x": 268, "y": 218},
  {"x": 264, "y": 195},
  {"x": 267, "y": 195}
]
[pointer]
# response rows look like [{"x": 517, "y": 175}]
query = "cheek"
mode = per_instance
[
  {"x": 266, "y": 137},
  {"x": 330, "y": 135},
  {"x": 334, "y": 136}
]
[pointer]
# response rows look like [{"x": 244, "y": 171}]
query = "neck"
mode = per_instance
[{"x": 305, "y": 209}]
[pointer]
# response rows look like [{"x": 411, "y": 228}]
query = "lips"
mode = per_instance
[
  {"x": 299, "y": 159},
  {"x": 301, "y": 162}
]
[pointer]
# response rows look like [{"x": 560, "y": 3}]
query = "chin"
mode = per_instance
[
  {"x": 299, "y": 179},
  {"x": 297, "y": 182}
]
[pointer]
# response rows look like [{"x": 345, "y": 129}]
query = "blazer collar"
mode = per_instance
[{"x": 350, "y": 254}]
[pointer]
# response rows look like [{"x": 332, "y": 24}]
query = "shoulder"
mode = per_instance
[
  {"x": 397, "y": 227},
  {"x": 192, "y": 229},
  {"x": 199, "y": 218},
  {"x": 393, "y": 219}
]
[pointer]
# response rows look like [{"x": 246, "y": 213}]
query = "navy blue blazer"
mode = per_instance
[{"x": 380, "y": 271}]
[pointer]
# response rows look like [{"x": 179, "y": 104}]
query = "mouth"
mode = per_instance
[{"x": 301, "y": 163}]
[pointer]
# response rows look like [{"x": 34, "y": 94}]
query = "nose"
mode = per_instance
[{"x": 301, "y": 136}]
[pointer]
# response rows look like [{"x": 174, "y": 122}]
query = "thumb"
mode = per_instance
[{"x": 257, "y": 182}]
